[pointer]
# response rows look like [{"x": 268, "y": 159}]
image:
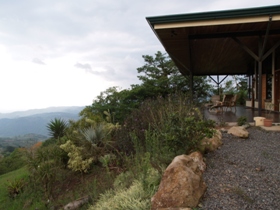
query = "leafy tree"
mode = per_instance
[
  {"x": 57, "y": 128},
  {"x": 109, "y": 99},
  {"x": 159, "y": 77}
]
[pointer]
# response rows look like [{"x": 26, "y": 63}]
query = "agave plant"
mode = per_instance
[
  {"x": 96, "y": 134},
  {"x": 57, "y": 128}
]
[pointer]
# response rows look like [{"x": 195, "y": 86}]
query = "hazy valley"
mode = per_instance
[{"x": 34, "y": 121}]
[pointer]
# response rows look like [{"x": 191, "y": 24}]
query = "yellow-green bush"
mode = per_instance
[
  {"x": 137, "y": 196},
  {"x": 76, "y": 160}
]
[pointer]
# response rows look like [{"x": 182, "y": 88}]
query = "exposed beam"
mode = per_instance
[
  {"x": 270, "y": 50},
  {"x": 213, "y": 79},
  {"x": 224, "y": 78},
  {"x": 177, "y": 60},
  {"x": 266, "y": 36},
  {"x": 250, "y": 52},
  {"x": 218, "y": 82}
]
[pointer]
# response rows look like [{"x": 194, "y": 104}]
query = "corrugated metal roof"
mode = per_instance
[{"x": 257, "y": 11}]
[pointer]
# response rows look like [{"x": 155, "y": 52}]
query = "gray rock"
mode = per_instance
[{"x": 239, "y": 131}]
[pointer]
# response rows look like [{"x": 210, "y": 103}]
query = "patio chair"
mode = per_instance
[
  {"x": 228, "y": 101},
  {"x": 232, "y": 103},
  {"x": 213, "y": 101}
]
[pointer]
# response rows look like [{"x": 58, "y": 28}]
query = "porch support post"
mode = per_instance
[
  {"x": 274, "y": 100},
  {"x": 254, "y": 84},
  {"x": 218, "y": 77},
  {"x": 261, "y": 52},
  {"x": 191, "y": 85},
  {"x": 260, "y": 78}
]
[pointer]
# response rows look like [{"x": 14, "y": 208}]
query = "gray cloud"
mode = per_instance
[
  {"x": 107, "y": 72},
  {"x": 86, "y": 67},
  {"x": 38, "y": 61}
]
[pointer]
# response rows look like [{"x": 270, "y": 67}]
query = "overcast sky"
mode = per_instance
[{"x": 65, "y": 52}]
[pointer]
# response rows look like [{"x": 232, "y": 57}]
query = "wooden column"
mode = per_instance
[
  {"x": 263, "y": 90},
  {"x": 191, "y": 85},
  {"x": 260, "y": 78}
]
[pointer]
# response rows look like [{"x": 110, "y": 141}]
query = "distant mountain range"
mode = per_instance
[
  {"x": 65, "y": 109},
  {"x": 34, "y": 121}
]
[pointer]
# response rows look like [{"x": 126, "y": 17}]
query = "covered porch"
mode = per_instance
[
  {"x": 232, "y": 116},
  {"x": 231, "y": 42}
]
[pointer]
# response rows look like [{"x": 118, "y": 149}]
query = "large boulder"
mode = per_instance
[
  {"x": 239, "y": 131},
  {"x": 182, "y": 184},
  {"x": 213, "y": 143}
]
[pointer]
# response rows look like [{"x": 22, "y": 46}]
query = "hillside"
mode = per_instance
[
  {"x": 18, "y": 114},
  {"x": 28, "y": 122}
]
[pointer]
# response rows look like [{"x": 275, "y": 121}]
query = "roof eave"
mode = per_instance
[{"x": 223, "y": 14}]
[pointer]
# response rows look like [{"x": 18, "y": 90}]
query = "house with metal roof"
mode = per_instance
[{"x": 230, "y": 42}]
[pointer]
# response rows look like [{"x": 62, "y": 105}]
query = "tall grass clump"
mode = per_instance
[{"x": 164, "y": 127}]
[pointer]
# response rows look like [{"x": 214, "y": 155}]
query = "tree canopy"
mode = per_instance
[{"x": 159, "y": 77}]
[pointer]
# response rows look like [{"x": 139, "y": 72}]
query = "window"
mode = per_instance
[
  {"x": 249, "y": 84},
  {"x": 268, "y": 86}
]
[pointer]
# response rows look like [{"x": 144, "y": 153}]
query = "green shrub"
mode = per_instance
[
  {"x": 107, "y": 160},
  {"x": 45, "y": 165},
  {"x": 93, "y": 138},
  {"x": 15, "y": 187},
  {"x": 173, "y": 124},
  {"x": 241, "y": 121},
  {"x": 13, "y": 161},
  {"x": 124, "y": 180},
  {"x": 49, "y": 142}
]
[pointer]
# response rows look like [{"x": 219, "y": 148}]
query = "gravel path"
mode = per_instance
[{"x": 244, "y": 174}]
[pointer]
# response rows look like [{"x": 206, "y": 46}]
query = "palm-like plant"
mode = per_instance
[
  {"x": 57, "y": 128},
  {"x": 96, "y": 134}
]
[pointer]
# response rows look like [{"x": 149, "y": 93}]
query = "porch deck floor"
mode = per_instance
[{"x": 232, "y": 116}]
